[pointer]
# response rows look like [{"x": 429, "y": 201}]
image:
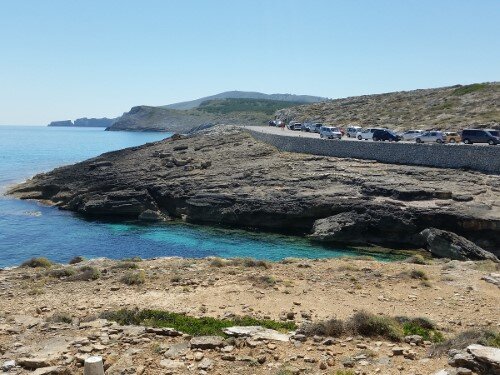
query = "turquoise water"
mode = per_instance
[{"x": 29, "y": 229}]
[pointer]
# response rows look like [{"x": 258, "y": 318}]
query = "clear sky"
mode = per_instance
[{"x": 63, "y": 59}]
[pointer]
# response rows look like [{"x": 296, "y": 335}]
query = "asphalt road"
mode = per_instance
[{"x": 298, "y": 133}]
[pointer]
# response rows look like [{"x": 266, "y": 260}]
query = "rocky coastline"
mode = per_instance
[{"x": 223, "y": 176}]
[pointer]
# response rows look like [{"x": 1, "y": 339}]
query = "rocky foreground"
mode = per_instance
[
  {"x": 53, "y": 317},
  {"x": 226, "y": 177}
]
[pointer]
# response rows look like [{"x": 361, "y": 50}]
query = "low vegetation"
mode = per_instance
[
  {"x": 127, "y": 265},
  {"x": 134, "y": 278},
  {"x": 188, "y": 324},
  {"x": 417, "y": 259},
  {"x": 37, "y": 263},
  {"x": 61, "y": 272},
  {"x": 466, "y": 338},
  {"x": 463, "y": 90},
  {"x": 233, "y": 105},
  {"x": 371, "y": 325},
  {"x": 85, "y": 273},
  {"x": 244, "y": 262},
  {"x": 418, "y": 274},
  {"x": 60, "y": 318}
]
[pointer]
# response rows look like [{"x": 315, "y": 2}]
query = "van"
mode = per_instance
[{"x": 490, "y": 136}]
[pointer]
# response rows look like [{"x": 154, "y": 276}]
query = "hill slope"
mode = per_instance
[
  {"x": 246, "y": 95},
  {"x": 222, "y": 111},
  {"x": 452, "y": 107}
]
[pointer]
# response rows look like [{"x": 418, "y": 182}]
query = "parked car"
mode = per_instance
[
  {"x": 385, "y": 135},
  {"x": 294, "y": 126},
  {"x": 352, "y": 131},
  {"x": 410, "y": 135},
  {"x": 272, "y": 123},
  {"x": 312, "y": 127},
  {"x": 452, "y": 137},
  {"x": 432, "y": 137},
  {"x": 330, "y": 132},
  {"x": 367, "y": 133},
  {"x": 490, "y": 136}
]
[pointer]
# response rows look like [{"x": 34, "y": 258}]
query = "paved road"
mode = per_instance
[{"x": 297, "y": 133}]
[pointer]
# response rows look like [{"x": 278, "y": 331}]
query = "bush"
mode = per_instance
[
  {"x": 245, "y": 262},
  {"x": 77, "y": 259},
  {"x": 133, "y": 259},
  {"x": 134, "y": 278},
  {"x": 62, "y": 272},
  {"x": 418, "y": 274},
  {"x": 366, "y": 324},
  {"x": 85, "y": 273},
  {"x": 422, "y": 327},
  {"x": 127, "y": 265},
  {"x": 331, "y": 327},
  {"x": 37, "y": 262},
  {"x": 262, "y": 281},
  {"x": 466, "y": 338},
  {"x": 417, "y": 259},
  {"x": 60, "y": 318}
]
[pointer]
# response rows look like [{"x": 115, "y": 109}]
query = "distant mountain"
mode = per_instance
[
  {"x": 454, "y": 107},
  {"x": 240, "y": 111},
  {"x": 247, "y": 95},
  {"x": 85, "y": 122}
]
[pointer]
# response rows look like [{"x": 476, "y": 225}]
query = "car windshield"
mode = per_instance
[{"x": 494, "y": 133}]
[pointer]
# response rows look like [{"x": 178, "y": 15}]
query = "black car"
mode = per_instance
[
  {"x": 490, "y": 136},
  {"x": 385, "y": 135}
]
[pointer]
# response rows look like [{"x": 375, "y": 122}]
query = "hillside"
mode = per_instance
[
  {"x": 452, "y": 107},
  {"x": 221, "y": 111},
  {"x": 246, "y": 95}
]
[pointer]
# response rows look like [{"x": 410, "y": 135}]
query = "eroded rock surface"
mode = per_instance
[{"x": 226, "y": 177}]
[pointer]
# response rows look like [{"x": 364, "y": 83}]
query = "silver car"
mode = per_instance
[
  {"x": 411, "y": 135},
  {"x": 431, "y": 137},
  {"x": 352, "y": 131},
  {"x": 330, "y": 132}
]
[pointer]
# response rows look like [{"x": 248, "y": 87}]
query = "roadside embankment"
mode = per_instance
[{"x": 478, "y": 158}]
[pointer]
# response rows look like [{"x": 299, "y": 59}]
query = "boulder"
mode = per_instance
[
  {"x": 206, "y": 342},
  {"x": 446, "y": 244}
]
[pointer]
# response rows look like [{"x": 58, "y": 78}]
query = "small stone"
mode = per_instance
[
  {"x": 198, "y": 356},
  {"x": 397, "y": 350},
  {"x": 261, "y": 359},
  {"x": 206, "y": 342},
  {"x": 7, "y": 365},
  {"x": 205, "y": 364}
]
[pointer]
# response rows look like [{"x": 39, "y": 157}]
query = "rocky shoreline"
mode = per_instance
[{"x": 223, "y": 176}]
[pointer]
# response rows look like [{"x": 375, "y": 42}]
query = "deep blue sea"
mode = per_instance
[{"x": 29, "y": 229}]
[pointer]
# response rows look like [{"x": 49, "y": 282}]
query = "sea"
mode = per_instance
[{"x": 30, "y": 229}]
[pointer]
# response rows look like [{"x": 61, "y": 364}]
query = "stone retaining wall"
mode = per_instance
[{"x": 474, "y": 157}]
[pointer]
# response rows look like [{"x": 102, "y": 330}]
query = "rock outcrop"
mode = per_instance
[
  {"x": 446, "y": 244},
  {"x": 223, "y": 176}
]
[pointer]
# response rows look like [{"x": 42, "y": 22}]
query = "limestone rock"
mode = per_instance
[
  {"x": 206, "y": 342},
  {"x": 446, "y": 244}
]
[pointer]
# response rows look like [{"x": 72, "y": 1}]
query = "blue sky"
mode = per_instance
[{"x": 63, "y": 59}]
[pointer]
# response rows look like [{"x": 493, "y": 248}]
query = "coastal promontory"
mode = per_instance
[{"x": 224, "y": 176}]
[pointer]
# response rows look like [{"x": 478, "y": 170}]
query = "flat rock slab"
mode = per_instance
[
  {"x": 171, "y": 364},
  {"x": 206, "y": 342},
  {"x": 177, "y": 350},
  {"x": 486, "y": 354},
  {"x": 257, "y": 333},
  {"x": 33, "y": 363}
]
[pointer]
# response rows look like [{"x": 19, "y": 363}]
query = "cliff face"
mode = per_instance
[
  {"x": 85, "y": 122},
  {"x": 455, "y": 107},
  {"x": 226, "y": 177}
]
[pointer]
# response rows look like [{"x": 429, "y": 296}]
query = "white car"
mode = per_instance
[
  {"x": 352, "y": 131},
  {"x": 330, "y": 132},
  {"x": 367, "y": 133},
  {"x": 431, "y": 137},
  {"x": 411, "y": 135},
  {"x": 294, "y": 126}
]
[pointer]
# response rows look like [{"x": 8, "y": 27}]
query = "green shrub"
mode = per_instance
[
  {"x": 60, "y": 318},
  {"x": 469, "y": 88},
  {"x": 134, "y": 278},
  {"x": 187, "y": 324},
  {"x": 418, "y": 274},
  {"x": 125, "y": 265},
  {"x": 417, "y": 259},
  {"x": 133, "y": 259},
  {"x": 37, "y": 263},
  {"x": 262, "y": 281},
  {"x": 85, "y": 273},
  {"x": 331, "y": 327},
  {"x": 62, "y": 272},
  {"x": 466, "y": 338},
  {"x": 366, "y": 324}
]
